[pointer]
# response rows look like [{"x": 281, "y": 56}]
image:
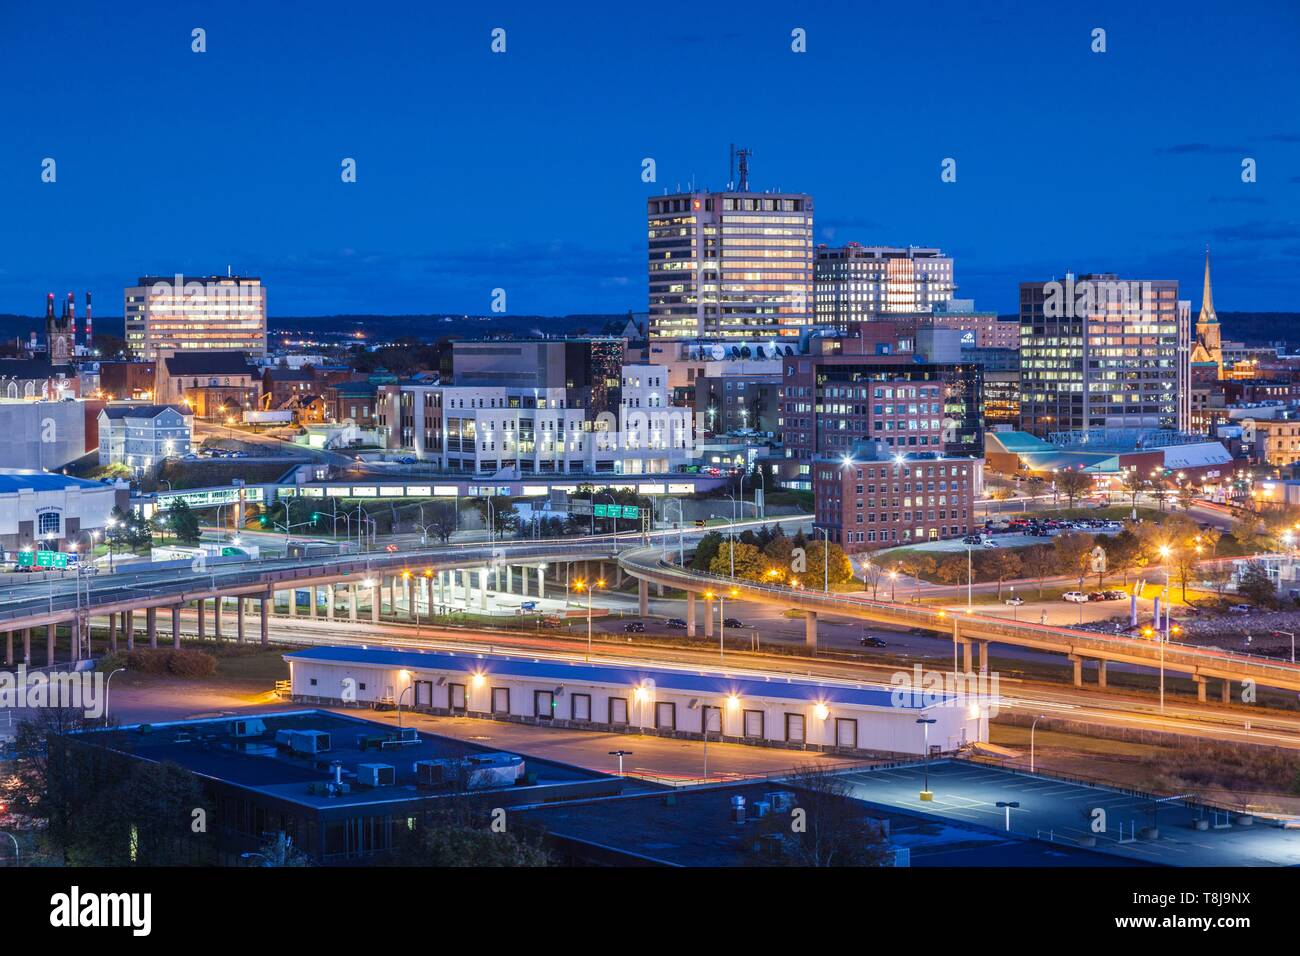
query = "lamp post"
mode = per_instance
[
  {"x": 17, "y": 856},
  {"x": 925, "y": 722},
  {"x": 826, "y": 559},
  {"x": 1009, "y": 805},
  {"x": 108, "y": 683},
  {"x": 583, "y": 585},
  {"x": 1163, "y": 638},
  {"x": 893, "y": 586},
  {"x": 1031, "y": 741},
  {"x": 620, "y": 754}
]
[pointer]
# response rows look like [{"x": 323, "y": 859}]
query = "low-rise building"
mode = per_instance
[
  {"x": 876, "y": 497},
  {"x": 141, "y": 436},
  {"x": 52, "y": 510},
  {"x": 214, "y": 385}
]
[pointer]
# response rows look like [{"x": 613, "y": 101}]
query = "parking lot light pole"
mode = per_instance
[
  {"x": 1031, "y": 741},
  {"x": 925, "y": 722},
  {"x": 1292, "y": 636},
  {"x": 1009, "y": 805},
  {"x": 620, "y": 754}
]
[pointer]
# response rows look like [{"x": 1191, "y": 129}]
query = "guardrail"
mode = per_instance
[{"x": 651, "y": 560}]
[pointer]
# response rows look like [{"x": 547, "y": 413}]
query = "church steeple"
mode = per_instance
[{"x": 1207, "y": 315}]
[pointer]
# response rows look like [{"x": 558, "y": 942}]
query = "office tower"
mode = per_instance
[
  {"x": 855, "y": 283},
  {"x": 186, "y": 313},
  {"x": 1098, "y": 351},
  {"x": 730, "y": 264}
]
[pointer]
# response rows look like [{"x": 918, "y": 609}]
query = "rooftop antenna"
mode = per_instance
[{"x": 741, "y": 157}]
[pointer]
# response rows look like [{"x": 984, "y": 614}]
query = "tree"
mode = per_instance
[
  {"x": 952, "y": 570},
  {"x": 1218, "y": 576},
  {"x": 705, "y": 551},
  {"x": 1186, "y": 497},
  {"x": 1124, "y": 552},
  {"x": 183, "y": 523},
  {"x": 1134, "y": 485},
  {"x": 1255, "y": 583},
  {"x": 1001, "y": 565},
  {"x": 750, "y": 563},
  {"x": 1073, "y": 554},
  {"x": 1250, "y": 535},
  {"x": 872, "y": 575},
  {"x": 278, "y": 852},
  {"x": 833, "y": 568},
  {"x": 1040, "y": 562},
  {"x": 834, "y": 829},
  {"x": 1073, "y": 485},
  {"x": 460, "y": 834}
]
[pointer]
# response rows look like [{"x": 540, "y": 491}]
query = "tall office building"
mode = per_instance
[
  {"x": 186, "y": 313},
  {"x": 730, "y": 264},
  {"x": 856, "y": 283},
  {"x": 1100, "y": 352}
]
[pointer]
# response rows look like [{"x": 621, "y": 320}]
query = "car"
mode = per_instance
[
  {"x": 89, "y": 569},
  {"x": 633, "y": 627},
  {"x": 550, "y": 622},
  {"x": 1116, "y": 595},
  {"x": 1240, "y": 608},
  {"x": 972, "y": 539},
  {"x": 1076, "y": 597},
  {"x": 1096, "y": 595},
  {"x": 732, "y": 622},
  {"x": 872, "y": 642},
  {"x": 676, "y": 623},
  {"x": 1015, "y": 601},
  {"x": 990, "y": 544}
]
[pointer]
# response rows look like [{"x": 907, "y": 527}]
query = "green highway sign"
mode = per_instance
[
  {"x": 616, "y": 511},
  {"x": 42, "y": 559}
]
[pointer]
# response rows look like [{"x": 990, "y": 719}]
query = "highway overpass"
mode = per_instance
[{"x": 971, "y": 632}]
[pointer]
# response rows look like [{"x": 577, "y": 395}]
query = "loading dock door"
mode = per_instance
[
  {"x": 424, "y": 693},
  {"x": 794, "y": 728},
  {"x": 666, "y": 715},
  {"x": 846, "y": 732},
  {"x": 544, "y": 704},
  {"x": 456, "y": 694},
  {"x": 754, "y": 723}
]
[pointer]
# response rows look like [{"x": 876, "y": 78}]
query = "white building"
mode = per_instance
[
  {"x": 51, "y": 509},
  {"x": 802, "y": 714},
  {"x": 141, "y": 436}
]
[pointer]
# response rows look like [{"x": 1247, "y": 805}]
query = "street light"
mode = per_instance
[
  {"x": 108, "y": 683},
  {"x": 582, "y": 585},
  {"x": 1009, "y": 805},
  {"x": 925, "y": 722},
  {"x": 893, "y": 586},
  {"x": 826, "y": 559},
  {"x": 1031, "y": 741},
  {"x": 17, "y": 859},
  {"x": 620, "y": 754}
]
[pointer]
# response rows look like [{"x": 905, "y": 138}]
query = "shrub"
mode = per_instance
[{"x": 182, "y": 663}]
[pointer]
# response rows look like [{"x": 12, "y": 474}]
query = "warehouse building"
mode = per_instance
[{"x": 838, "y": 716}]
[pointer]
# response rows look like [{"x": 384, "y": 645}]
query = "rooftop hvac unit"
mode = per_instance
[
  {"x": 249, "y": 727},
  {"x": 779, "y": 800},
  {"x": 479, "y": 772},
  {"x": 376, "y": 774},
  {"x": 304, "y": 741}
]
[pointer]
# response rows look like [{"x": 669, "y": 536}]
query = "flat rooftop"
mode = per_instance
[
  {"x": 694, "y": 828},
  {"x": 704, "y": 680},
  {"x": 212, "y": 748}
]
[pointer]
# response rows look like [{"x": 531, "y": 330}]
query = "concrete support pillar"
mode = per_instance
[
  {"x": 27, "y": 646},
  {"x": 1101, "y": 674},
  {"x": 293, "y": 602},
  {"x": 541, "y": 582},
  {"x": 510, "y": 579},
  {"x": 374, "y": 603},
  {"x": 176, "y": 627},
  {"x": 352, "y": 601},
  {"x": 523, "y": 579},
  {"x": 74, "y": 637},
  {"x": 984, "y": 657},
  {"x": 51, "y": 632},
  {"x": 9, "y": 648},
  {"x": 482, "y": 584},
  {"x": 965, "y": 657},
  {"x": 329, "y": 602},
  {"x": 1078, "y": 669},
  {"x": 660, "y": 588},
  {"x": 151, "y": 625},
  {"x": 112, "y": 633},
  {"x": 312, "y": 609},
  {"x": 1227, "y": 691},
  {"x": 1200, "y": 687},
  {"x": 464, "y": 579},
  {"x": 239, "y": 619},
  {"x": 643, "y": 597},
  {"x": 266, "y": 619},
  {"x": 198, "y": 607},
  {"x": 442, "y": 593},
  {"x": 618, "y": 575},
  {"x": 128, "y": 626},
  {"x": 690, "y": 613},
  {"x": 810, "y": 629},
  {"x": 708, "y": 617},
  {"x": 217, "y": 615}
]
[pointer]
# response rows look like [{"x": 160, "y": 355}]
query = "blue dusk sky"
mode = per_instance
[{"x": 522, "y": 170}]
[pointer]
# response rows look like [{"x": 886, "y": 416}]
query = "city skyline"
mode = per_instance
[{"x": 473, "y": 176}]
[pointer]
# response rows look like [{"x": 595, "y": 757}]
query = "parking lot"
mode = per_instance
[{"x": 1062, "y": 811}]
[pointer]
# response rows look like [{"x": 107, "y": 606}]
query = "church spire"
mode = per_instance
[{"x": 1207, "y": 315}]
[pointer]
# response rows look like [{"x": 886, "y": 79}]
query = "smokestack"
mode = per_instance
[
  {"x": 49, "y": 307},
  {"x": 90, "y": 330},
  {"x": 72, "y": 315}
]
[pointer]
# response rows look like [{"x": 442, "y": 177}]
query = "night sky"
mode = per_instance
[{"x": 522, "y": 170}]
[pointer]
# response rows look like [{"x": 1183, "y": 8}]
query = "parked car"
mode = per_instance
[
  {"x": 676, "y": 623},
  {"x": 1076, "y": 597},
  {"x": 633, "y": 627},
  {"x": 1240, "y": 608},
  {"x": 1116, "y": 595},
  {"x": 551, "y": 622},
  {"x": 1096, "y": 595},
  {"x": 1015, "y": 601},
  {"x": 990, "y": 544},
  {"x": 872, "y": 642},
  {"x": 732, "y": 622}
]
